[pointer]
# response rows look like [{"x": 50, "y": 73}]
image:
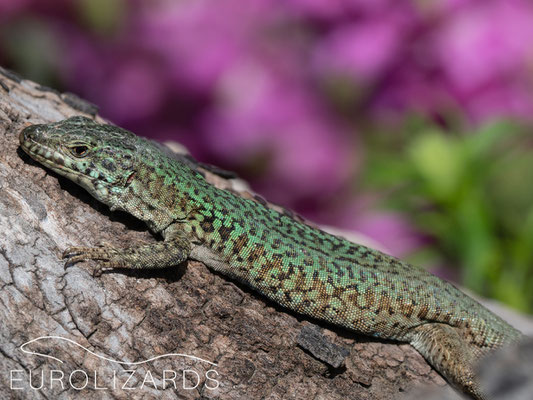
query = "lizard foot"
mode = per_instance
[{"x": 108, "y": 257}]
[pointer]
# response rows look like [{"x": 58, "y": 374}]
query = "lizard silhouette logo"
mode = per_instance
[{"x": 187, "y": 378}]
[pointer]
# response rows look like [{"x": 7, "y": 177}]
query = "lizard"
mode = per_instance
[{"x": 296, "y": 265}]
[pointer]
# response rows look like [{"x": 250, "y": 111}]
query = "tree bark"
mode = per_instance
[{"x": 260, "y": 350}]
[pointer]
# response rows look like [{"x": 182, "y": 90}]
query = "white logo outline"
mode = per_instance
[{"x": 103, "y": 357}]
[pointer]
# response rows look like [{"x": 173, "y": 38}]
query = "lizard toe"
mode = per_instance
[{"x": 74, "y": 251}]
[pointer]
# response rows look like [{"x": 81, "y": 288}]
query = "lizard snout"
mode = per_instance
[{"x": 30, "y": 133}]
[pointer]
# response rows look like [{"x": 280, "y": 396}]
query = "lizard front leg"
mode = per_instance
[{"x": 172, "y": 251}]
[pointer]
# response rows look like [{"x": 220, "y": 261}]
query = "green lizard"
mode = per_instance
[{"x": 296, "y": 265}]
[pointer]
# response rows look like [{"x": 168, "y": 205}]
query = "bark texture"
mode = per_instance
[{"x": 261, "y": 351}]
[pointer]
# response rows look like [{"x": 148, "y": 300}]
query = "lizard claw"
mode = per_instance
[
  {"x": 74, "y": 251},
  {"x": 72, "y": 256},
  {"x": 103, "y": 254}
]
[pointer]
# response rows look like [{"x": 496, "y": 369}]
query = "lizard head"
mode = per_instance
[{"x": 100, "y": 158}]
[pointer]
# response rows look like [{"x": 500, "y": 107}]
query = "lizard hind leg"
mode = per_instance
[{"x": 448, "y": 352}]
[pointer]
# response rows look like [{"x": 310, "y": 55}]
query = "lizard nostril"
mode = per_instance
[
  {"x": 29, "y": 133},
  {"x": 24, "y": 135}
]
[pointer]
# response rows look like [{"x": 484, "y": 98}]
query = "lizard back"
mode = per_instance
[{"x": 330, "y": 278}]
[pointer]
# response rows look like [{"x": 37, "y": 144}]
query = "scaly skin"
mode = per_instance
[{"x": 298, "y": 266}]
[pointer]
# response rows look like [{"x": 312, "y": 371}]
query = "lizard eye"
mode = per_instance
[{"x": 79, "y": 151}]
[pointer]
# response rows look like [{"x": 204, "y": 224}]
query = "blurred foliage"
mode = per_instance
[
  {"x": 31, "y": 49},
  {"x": 471, "y": 193},
  {"x": 102, "y": 16}
]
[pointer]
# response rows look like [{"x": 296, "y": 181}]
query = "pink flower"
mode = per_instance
[
  {"x": 264, "y": 114},
  {"x": 485, "y": 52},
  {"x": 8, "y": 7},
  {"x": 199, "y": 40},
  {"x": 360, "y": 50},
  {"x": 391, "y": 230},
  {"x": 338, "y": 9}
]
